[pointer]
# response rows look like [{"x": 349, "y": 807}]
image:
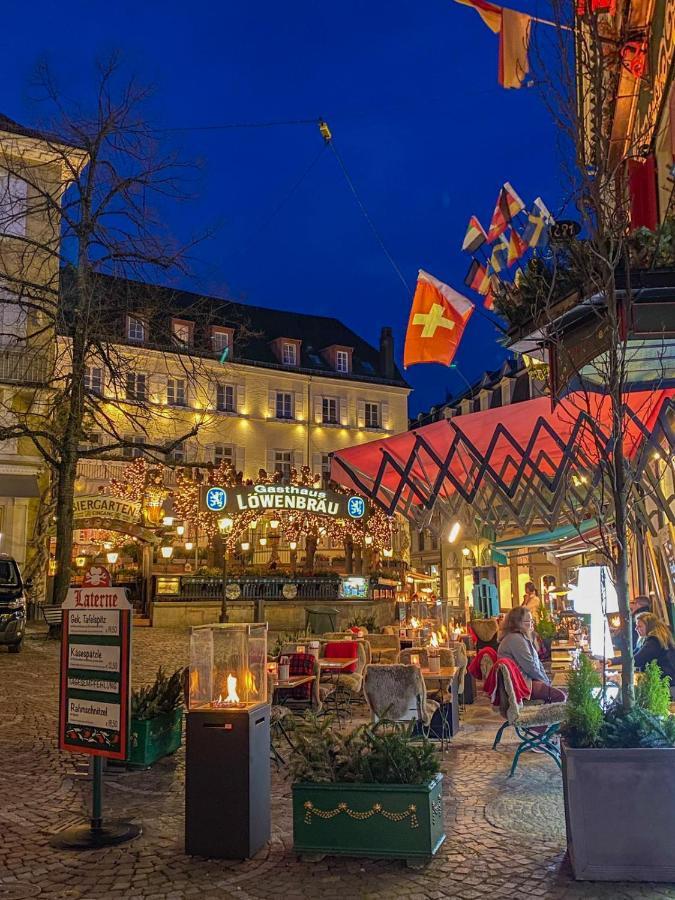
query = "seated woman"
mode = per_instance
[
  {"x": 517, "y": 644},
  {"x": 656, "y": 644}
]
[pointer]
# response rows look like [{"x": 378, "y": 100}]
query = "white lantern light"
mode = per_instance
[{"x": 167, "y": 552}]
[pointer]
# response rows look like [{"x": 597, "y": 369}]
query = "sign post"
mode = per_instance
[{"x": 94, "y": 695}]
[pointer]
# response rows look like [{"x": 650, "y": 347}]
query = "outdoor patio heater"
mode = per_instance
[{"x": 227, "y": 762}]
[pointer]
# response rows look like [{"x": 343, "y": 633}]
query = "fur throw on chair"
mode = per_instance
[{"x": 397, "y": 692}]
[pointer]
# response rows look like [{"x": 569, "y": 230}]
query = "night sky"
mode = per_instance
[{"x": 409, "y": 91}]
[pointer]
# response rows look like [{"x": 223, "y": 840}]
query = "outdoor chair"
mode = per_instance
[
  {"x": 536, "y": 725},
  {"x": 398, "y": 692},
  {"x": 384, "y": 648},
  {"x": 339, "y": 637},
  {"x": 461, "y": 661}
]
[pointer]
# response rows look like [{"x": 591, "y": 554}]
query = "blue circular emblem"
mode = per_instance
[
  {"x": 356, "y": 507},
  {"x": 216, "y": 498}
]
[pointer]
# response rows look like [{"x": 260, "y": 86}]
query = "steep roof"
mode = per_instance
[
  {"x": 255, "y": 328},
  {"x": 12, "y": 127}
]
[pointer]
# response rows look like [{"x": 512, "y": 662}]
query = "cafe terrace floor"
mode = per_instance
[{"x": 505, "y": 836}]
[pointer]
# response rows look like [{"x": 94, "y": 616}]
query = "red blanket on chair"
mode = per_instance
[
  {"x": 474, "y": 666},
  {"x": 520, "y": 686}
]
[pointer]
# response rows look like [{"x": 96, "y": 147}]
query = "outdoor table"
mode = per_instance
[
  {"x": 332, "y": 667},
  {"x": 295, "y": 681},
  {"x": 447, "y": 679},
  {"x": 338, "y": 663}
]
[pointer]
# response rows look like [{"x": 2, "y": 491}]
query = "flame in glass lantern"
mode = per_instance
[
  {"x": 232, "y": 696},
  {"x": 434, "y": 640},
  {"x": 249, "y": 683},
  {"x": 414, "y": 623}
]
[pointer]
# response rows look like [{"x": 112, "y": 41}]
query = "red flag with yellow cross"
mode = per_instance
[{"x": 437, "y": 321}]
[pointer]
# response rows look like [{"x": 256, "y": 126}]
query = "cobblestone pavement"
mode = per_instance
[{"x": 505, "y": 836}]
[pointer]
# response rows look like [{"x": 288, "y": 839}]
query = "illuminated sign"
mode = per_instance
[{"x": 274, "y": 497}]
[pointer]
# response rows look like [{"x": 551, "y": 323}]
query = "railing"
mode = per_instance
[
  {"x": 105, "y": 469},
  {"x": 211, "y": 588}
]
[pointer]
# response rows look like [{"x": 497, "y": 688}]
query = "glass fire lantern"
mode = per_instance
[{"x": 228, "y": 666}]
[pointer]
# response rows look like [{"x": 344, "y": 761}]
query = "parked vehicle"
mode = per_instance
[{"x": 12, "y": 604}]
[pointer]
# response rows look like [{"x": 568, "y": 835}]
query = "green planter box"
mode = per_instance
[
  {"x": 151, "y": 739},
  {"x": 395, "y": 820}
]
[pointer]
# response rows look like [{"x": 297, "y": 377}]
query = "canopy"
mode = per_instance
[
  {"x": 519, "y": 463},
  {"x": 543, "y": 540}
]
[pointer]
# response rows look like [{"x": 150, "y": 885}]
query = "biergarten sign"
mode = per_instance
[
  {"x": 276, "y": 497},
  {"x": 95, "y": 655},
  {"x": 105, "y": 507}
]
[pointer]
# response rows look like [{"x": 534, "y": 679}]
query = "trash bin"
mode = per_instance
[{"x": 321, "y": 619}]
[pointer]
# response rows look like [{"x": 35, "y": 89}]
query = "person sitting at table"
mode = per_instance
[
  {"x": 517, "y": 644},
  {"x": 658, "y": 644},
  {"x": 639, "y": 604}
]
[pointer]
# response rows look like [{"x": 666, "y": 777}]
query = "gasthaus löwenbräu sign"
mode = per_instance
[{"x": 263, "y": 498}]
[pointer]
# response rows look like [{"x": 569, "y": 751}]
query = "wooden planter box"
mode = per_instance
[
  {"x": 390, "y": 820},
  {"x": 151, "y": 739},
  {"x": 620, "y": 813}
]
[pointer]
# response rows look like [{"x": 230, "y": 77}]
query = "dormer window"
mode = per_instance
[
  {"x": 181, "y": 332},
  {"x": 287, "y": 350},
  {"x": 339, "y": 358},
  {"x": 135, "y": 329},
  {"x": 289, "y": 354},
  {"x": 221, "y": 341}
]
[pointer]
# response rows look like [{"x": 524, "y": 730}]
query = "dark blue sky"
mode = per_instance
[{"x": 409, "y": 90}]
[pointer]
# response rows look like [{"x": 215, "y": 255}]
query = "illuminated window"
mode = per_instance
[
  {"x": 182, "y": 332},
  {"x": 341, "y": 361},
  {"x": 93, "y": 379},
  {"x": 220, "y": 340}
]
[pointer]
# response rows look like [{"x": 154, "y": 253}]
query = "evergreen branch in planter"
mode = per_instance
[
  {"x": 163, "y": 696},
  {"x": 381, "y": 753}
]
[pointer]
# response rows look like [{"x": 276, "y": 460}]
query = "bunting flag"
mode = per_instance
[
  {"x": 500, "y": 218},
  {"x": 500, "y": 255},
  {"x": 477, "y": 277},
  {"x": 489, "y": 302},
  {"x": 517, "y": 247},
  {"x": 514, "y": 30},
  {"x": 475, "y": 236},
  {"x": 513, "y": 203},
  {"x": 543, "y": 209},
  {"x": 437, "y": 321}
]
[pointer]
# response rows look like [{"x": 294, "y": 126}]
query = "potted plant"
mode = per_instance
[
  {"x": 619, "y": 780},
  {"x": 546, "y": 630},
  {"x": 156, "y": 719},
  {"x": 374, "y": 791}
]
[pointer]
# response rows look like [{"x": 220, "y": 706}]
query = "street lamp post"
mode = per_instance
[{"x": 225, "y": 526}]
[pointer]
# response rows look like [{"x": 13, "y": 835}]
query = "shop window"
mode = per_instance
[
  {"x": 135, "y": 330},
  {"x": 330, "y": 409},
  {"x": 176, "y": 392},
  {"x": 284, "y": 405},
  {"x": 225, "y": 398},
  {"x": 372, "y": 415},
  {"x": 93, "y": 379},
  {"x": 13, "y": 205},
  {"x": 137, "y": 386}
]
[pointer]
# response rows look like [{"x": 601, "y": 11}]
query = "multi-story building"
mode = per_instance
[
  {"x": 32, "y": 167},
  {"x": 266, "y": 388}
]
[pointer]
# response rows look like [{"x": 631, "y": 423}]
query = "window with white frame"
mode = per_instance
[
  {"x": 223, "y": 453},
  {"x": 13, "y": 205},
  {"x": 93, "y": 379},
  {"x": 135, "y": 329},
  {"x": 131, "y": 450},
  {"x": 176, "y": 392},
  {"x": 12, "y": 320},
  {"x": 330, "y": 409},
  {"x": 137, "y": 386},
  {"x": 182, "y": 332},
  {"x": 225, "y": 398},
  {"x": 289, "y": 354},
  {"x": 220, "y": 341},
  {"x": 177, "y": 454},
  {"x": 341, "y": 361},
  {"x": 284, "y": 405},
  {"x": 372, "y": 415},
  {"x": 283, "y": 462}
]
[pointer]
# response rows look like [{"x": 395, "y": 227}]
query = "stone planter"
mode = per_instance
[
  {"x": 151, "y": 739},
  {"x": 376, "y": 820},
  {"x": 620, "y": 813}
]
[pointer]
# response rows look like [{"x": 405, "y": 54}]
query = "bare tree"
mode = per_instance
[
  {"x": 81, "y": 218},
  {"x": 579, "y": 296}
]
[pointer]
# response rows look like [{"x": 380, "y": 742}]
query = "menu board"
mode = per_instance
[{"x": 95, "y": 655}]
